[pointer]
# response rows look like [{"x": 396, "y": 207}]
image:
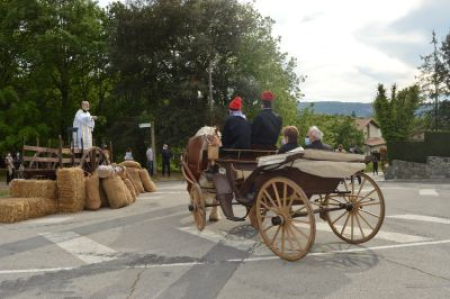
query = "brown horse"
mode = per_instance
[{"x": 196, "y": 158}]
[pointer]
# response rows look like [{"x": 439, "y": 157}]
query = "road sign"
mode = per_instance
[{"x": 145, "y": 125}]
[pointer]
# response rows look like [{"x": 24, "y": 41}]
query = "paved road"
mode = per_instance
[{"x": 151, "y": 250}]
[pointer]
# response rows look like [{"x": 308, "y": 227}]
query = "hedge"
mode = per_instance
[{"x": 434, "y": 144}]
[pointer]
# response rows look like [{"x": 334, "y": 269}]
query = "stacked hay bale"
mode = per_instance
[
  {"x": 115, "y": 186},
  {"x": 71, "y": 189},
  {"x": 30, "y": 199}
]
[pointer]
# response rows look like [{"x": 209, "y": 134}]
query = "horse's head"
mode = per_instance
[{"x": 211, "y": 135}]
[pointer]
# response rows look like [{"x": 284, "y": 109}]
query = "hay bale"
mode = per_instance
[
  {"x": 134, "y": 176},
  {"x": 130, "y": 188},
  {"x": 115, "y": 191},
  {"x": 131, "y": 164},
  {"x": 92, "y": 201},
  {"x": 33, "y": 188},
  {"x": 130, "y": 198},
  {"x": 147, "y": 182},
  {"x": 18, "y": 209},
  {"x": 71, "y": 189},
  {"x": 103, "y": 197},
  {"x": 105, "y": 171}
]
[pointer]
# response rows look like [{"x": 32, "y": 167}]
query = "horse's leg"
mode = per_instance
[{"x": 214, "y": 215}]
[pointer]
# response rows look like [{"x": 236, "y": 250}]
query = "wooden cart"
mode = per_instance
[
  {"x": 42, "y": 162},
  {"x": 282, "y": 194}
]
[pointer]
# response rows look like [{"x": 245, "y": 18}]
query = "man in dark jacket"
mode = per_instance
[
  {"x": 266, "y": 127},
  {"x": 313, "y": 140},
  {"x": 237, "y": 131}
]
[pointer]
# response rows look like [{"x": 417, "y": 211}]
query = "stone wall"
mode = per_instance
[{"x": 435, "y": 168}]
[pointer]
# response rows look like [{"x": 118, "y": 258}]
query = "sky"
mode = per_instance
[{"x": 345, "y": 48}]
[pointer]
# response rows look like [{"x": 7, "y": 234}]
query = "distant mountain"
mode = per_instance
[{"x": 340, "y": 108}]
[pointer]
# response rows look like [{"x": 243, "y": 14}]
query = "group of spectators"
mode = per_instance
[{"x": 166, "y": 154}]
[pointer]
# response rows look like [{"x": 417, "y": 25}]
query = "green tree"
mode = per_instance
[
  {"x": 396, "y": 115},
  {"x": 431, "y": 79}
]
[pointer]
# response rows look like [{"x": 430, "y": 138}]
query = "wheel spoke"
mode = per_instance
[
  {"x": 277, "y": 196},
  {"x": 345, "y": 224},
  {"x": 268, "y": 207},
  {"x": 359, "y": 224},
  {"x": 371, "y": 214},
  {"x": 295, "y": 237},
  {"x": 338, "y": 201},
  {"x": 288, "y": 233},
  {"x": 367, "y": 195},
  {"x": 285, "y": 194},
  {"x": 298, "y": 229},
  {"x": 270, "y": 198},
  {"x": 361, "y": 186},
  {"x": 351, "y": 225},
  {"x": 364, "y": 219},
  {"x": 366, "y": 204},
  {"x": 269, "y": 227},
  {"x": 335, "y": 220},
  {"x": 283, "y": 239},
  {"x": 275, "y": 236}
]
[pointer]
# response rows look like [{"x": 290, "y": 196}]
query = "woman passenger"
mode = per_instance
[{"x": 290, "y": 137}]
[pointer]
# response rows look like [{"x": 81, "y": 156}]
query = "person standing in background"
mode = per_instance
[
  {"x": 166, "y": 156},
  {"x": 149, "y": 154},
  {"x": 9, "y": 163},
  {"x": 83, "y": 124},
  {"x": 129, "y": 155}
]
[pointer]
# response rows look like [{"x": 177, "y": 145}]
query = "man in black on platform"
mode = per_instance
[
  {"x": 237, "y": 131},
  {"x": 266, "y": 126}
]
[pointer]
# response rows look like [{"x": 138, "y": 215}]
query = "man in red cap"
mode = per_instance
[
  {"x": 237, "y": 130},
  {"x": 266, "y": 127}
]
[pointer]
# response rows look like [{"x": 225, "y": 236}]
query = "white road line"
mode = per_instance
[
  {"x": 245, "y": 260},
  {"x": 421, "y": 218},
  {"x": 388, "y": 236},
  {"x": 428, "y": 192},
  {"x": 81, "y": 247},
  {"x": 48, "y": 220}
]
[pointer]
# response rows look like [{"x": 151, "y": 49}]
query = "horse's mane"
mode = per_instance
[{"x": 207, "y": 131}]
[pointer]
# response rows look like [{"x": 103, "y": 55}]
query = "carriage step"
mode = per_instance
[{"x": 236, "y": 218}]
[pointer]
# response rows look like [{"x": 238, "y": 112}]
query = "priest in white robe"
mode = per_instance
[{"x": 83, "y": 125}]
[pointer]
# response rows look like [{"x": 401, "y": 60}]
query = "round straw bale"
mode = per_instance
[
  {"x": 18, "y": 209},
  {"x": 33, "y": 188},
  {"x": 134, "y": 176},
  {"x": 115, "y": 191},
  {"x": 103, "y": 197},
  {"x": 147, "y": 182},
  {"x": 93, "y": 201},
  {"x": 130, "y": 199},
  {"x": 71, "y": 189},
  {"x": 130, "y": 187},
  {"x": 131, "y": 164}
]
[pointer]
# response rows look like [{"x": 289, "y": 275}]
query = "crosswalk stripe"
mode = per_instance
[
  {"x": 81, "y": 247},
  {"x": 428, "y": 192},
  {"x": 421, "y": 218},
  {"x": 388, "y": 236}
]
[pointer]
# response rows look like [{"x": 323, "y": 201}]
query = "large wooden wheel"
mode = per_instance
[
  {"x": 285, "y": 218},
  {"x": 363, "y": 216},
  {"x": 197, "y": 206},
  {"x": 92, "y": 158}
]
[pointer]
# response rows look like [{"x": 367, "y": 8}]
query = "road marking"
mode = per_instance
[
  {"x": 81, "y": 247},
  {"x": 48, "y": 220},
  {"x": 428, "y": 192},
  {"x": 245, "y": 260},
  {"x": 421, "y": 218},
  {"x": 388, "y": 236}
]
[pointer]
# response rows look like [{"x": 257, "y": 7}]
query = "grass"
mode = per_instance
[{"x": 4, "y": 193}]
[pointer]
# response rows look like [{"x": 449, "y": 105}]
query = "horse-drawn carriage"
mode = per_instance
[
  {"x": 42, "y": 162},
  {"x": 282, "y": 193}
]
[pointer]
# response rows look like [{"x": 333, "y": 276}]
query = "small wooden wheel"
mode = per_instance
[
  {"x": 197, "y": 207},
  {"x": 92, "y": 158},
  {"x": 364, "y": 215},
  {"x": 285, "y": 218}
]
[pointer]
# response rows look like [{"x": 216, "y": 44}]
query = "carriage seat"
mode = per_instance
[{"x": 319, "y": 163}]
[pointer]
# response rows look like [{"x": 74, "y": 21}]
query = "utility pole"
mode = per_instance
[{"x": 210, "y": 95}]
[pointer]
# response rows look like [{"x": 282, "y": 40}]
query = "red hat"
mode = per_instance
[
  {"x": 267, "y": 96},
  {"x": 236, "y": 104}
]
